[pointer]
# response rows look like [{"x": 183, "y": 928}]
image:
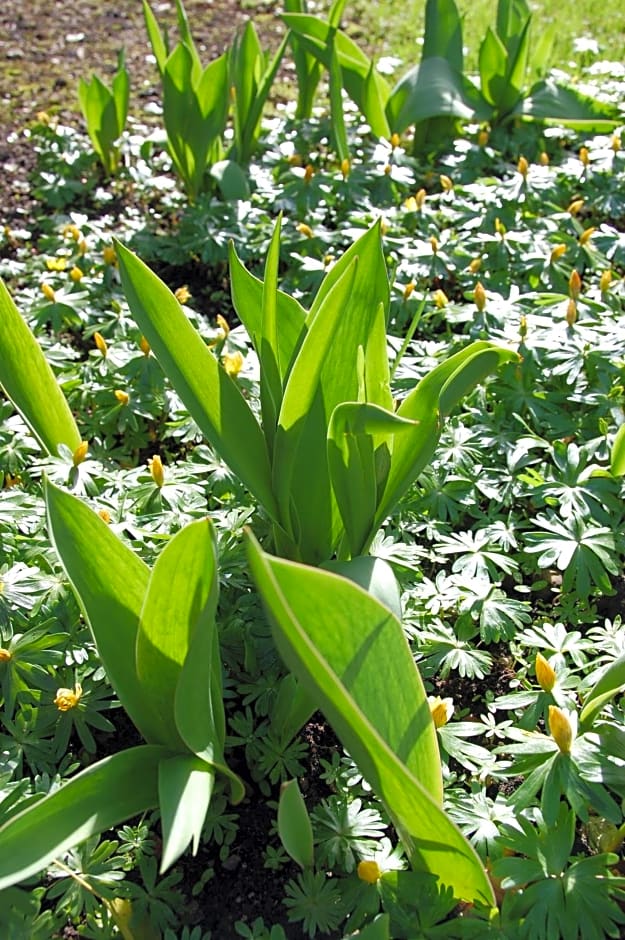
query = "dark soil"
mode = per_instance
[{"x": 47, "y": 45}]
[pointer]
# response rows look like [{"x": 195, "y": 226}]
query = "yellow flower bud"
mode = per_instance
[
  {"x": 222, "y": 323},
  {"x": 408, "y": 289},
  {"x": 475, "y": 265},
  {"x": 544, "y": 159},
  {"x": 545, "y": 673},
  {"x": 561, "y": 729},
  {"x": 587, "y": 235},
  {"x": 101, "y": 344},
  {"x": 304, "y": 229},
  {"x": 104, "y": 515},
  {"x": 5, "y": 655},
  {"x": 606, "y": 280},
  {"x": 72, "y": 230},
  {"x": 440, "y": 299},
  {"x": 556, "y": 252},
  {"x": 584, "y": 156},
  {"x": 75, "y": 274},
  {"x": 616, "y": 143},
  {"x": 575, "y": 206},
  {"x": 83, "y": 246},
  {"x": 446, "y": 183},
  {"x": 80, "y": 453},
  {"x": 369, "y": 871},
  {"x": 43, "y": 117},
  {"x": 388, "y": 169},
  {"x": 232, "y": 363},
  {"x": 109, "y": 254},
  {"x": 434, "y": 243},
  {"x": 56, "y": 264},
  {"x": 411, "y": 204},
  {"x": 395, "y": 140},
  {"x": 144, "y": 346},
  {"x": 482, "y": 138},
  {"x": 309, "y": 172},
  {"x": 345, "y": 167},
  {"x": 500, "y": 228},
  {"x": 420, "y": 198},
  {"x": 571, "y": 312},
  {"x": 383, "y": 226},
  {"x": 122, "y": 397},
  {"x": 48, "y": 292},
  {"x": 523, "y": 326},
  {"x": 183, "y": 294},
  {"x": 66, "y": 699},
  {"x": 441, "y": 709},
  {"x": 575, "y": 284},
  {"x": 295, "y": 159},
  {"x": 155, "y": 465},
  {"x": 479, "y": 296},
  {"x": 523, "y": 166}
]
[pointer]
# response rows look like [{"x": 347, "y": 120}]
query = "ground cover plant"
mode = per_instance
[{"x": 311, "y": 513}]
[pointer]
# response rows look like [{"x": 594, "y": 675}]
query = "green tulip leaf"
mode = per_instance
[{"x": 185, "y": 787}]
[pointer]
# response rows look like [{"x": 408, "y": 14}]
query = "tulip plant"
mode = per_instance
[
  {"x": 332, "y": 454},
  {"x": 105, "y": 110},
  {"x": 437, "y": 94}
]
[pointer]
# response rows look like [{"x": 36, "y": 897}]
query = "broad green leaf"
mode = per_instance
[
  {"x": 247, "y": 297},
  {"x": 181, "y": 598},
  {"x": 350, "y": 653},
  {"x": 430, "y": 90},
  {"x": 617, "y": 455},
  {"x": 373, "y": 574},
  {"x": 443, "y": 33},
  {"x": 110, "y": 582},
  {"x": 270, "y": 367},
  {"x": 493, "y": 63},
  {"x": 98, "y": 798},
  {"x": 301, "y": 480},
  {"x": 231, "y": 180},
  {"x": 611, "y": 681},
  {"x": 294, "y": 825},
  {"x": 185, "y": 787},
  {"x": 434, "y": 397},
  {"x": 315, "y": 36},
  {"x": 211, "y": 396},
  {"x": 548, "y": 101},
  {"x": 29, "y": 382},
  {"x": 157, "y": 41},
  {"x": 378, "y": 929},
  {"x": 249, "y": 120},
  {"x": 356, "y": 431}
]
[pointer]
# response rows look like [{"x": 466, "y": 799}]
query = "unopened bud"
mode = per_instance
[
  {"x": 304, "y": 229},
  {"x": 615, "y": 143},
  {"x": 500, "y": 228},
  {"x": 388, "y": 169},
  {"x": 556, "y": 252},
  {"x": 122, "y": 397},
  {"x": 571, "y": 312},
  {"x": 109, "y": 255},
  {"x": 575, "y": 206},
  {"x": 408, "y": 289},
  {"x": 155, "y": 465},
  {"x": 587, "y": 235},
  {"x": 434, "y": 243},
  {"x": 222, "y": 323},
  {"x": 420, "y": 198},
  {"x": 561, "y": 729},
  {"x": 482, "y": 138},
  {"x": 544, "y": 159},
  {"x": 475, "y": 265},
  {"x": 345, "y": 167},
  {"x": 523, "y": 166},
  {"x": 395, "y": 140},
  {"x": 309, "y": 172},
  {"x": 584, "y": 156},
  {"x": 446, "y": 183},
  {"x": 523, "y": 326},
  {"x": 66, "y": 699},
  {"x": 575, "y": 284},
  {"x": 75, "y": 274},
  {"x": 144, "y": 346},
  {"x": 411, "y": 204},
  {"x": 80, "y": 453},
  {"x": 440, "y": 299},
  {"x": 545, "y": 673},
  {"x": 5, "y": 655},
  {"x": 232, "y": 363},
  {"x": 605, "y": 281},
  {"x": 101, "y": 344},
  {"x": 479, "y": 296},
  {"x": 48, "y": 292}
]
